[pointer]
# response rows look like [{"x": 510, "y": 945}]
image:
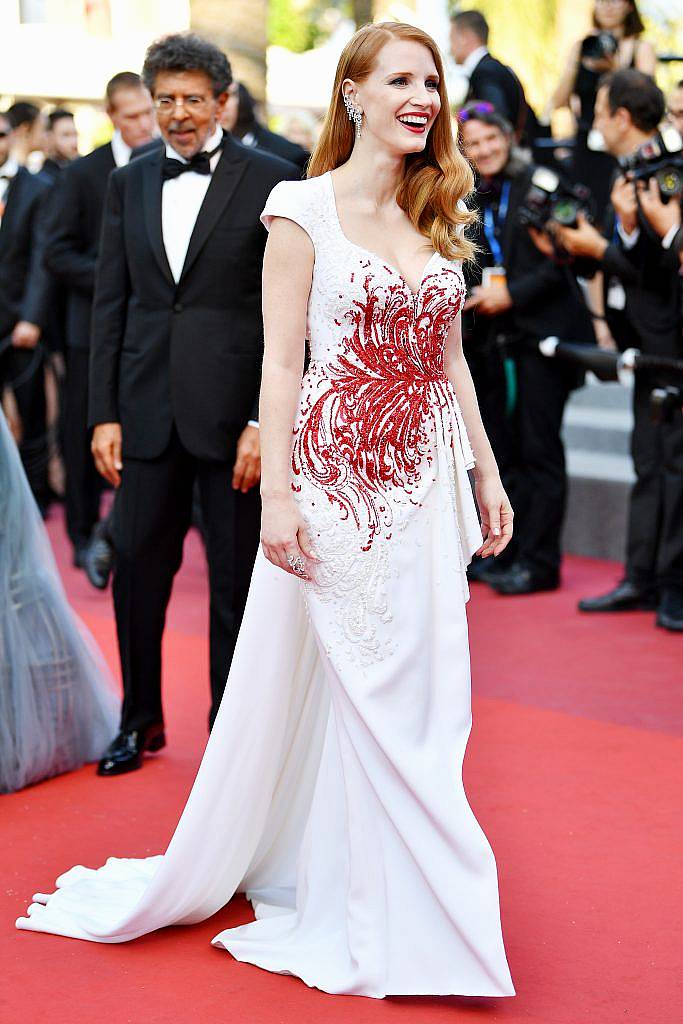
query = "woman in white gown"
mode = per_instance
[{"x": 331, "y": 787}]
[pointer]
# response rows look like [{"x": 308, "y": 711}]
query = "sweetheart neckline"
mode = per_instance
[{"x": 374, "y": 255}]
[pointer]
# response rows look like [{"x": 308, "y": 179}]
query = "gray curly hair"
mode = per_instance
[{"x": 185, "y": 51}]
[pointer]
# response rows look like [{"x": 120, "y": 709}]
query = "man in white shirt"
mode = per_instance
[
  {"x": 22, "y": 313},
  {"x": 73, "y": 236},
  {"x": 175, "y": 372},
  {"x": 642, "y": 293},
  {"x": 489, "y": 80}
]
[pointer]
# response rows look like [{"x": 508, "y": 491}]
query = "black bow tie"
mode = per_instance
[{"x": 200, "y": 164}]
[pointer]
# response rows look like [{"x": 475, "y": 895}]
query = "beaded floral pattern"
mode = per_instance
[
  {"x": 364, "y": 441},
  {"x": 378, "y": 422}
]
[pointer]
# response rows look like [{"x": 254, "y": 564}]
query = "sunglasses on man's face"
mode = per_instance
[{"x": 472, "y": 110}]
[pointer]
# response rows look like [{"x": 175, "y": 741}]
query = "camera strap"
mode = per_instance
[{"x": 490, "y": 223}]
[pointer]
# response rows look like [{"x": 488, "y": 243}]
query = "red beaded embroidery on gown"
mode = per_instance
[{"x": 331, "y": 788}]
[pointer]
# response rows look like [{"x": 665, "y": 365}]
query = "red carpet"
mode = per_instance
[{"x": 573, "y": 770}]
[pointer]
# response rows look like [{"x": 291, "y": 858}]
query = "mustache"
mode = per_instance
[{"x": 180, "y": 126}]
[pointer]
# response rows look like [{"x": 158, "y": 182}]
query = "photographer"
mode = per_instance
[
  {"x": 614, "y": 42},
  {"x": 523, "y": 296},
  {"x": 642, "y": 287}
]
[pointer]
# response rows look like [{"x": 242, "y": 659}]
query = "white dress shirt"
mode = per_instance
[
  {"x": 629, "y": 239},
  {"x": 181, "y": 201},
  {"x": 120, "y": 150}
]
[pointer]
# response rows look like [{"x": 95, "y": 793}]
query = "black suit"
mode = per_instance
[
  {"x": 178, "y": 365},
  {"x": 74, "y": 223},
  {"x": 532, "y": 451},
  {"x": 23, "y": 290},
  {"x": 651, "y": 322},
  {"x": 497, "y": 84},
  {"x": 259, "y": 135}
]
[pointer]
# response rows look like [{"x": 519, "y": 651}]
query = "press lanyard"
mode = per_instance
[{"x": 490, "y": 227}]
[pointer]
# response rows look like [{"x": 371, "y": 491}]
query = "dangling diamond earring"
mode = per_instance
[{"x": 355, "y": 115}]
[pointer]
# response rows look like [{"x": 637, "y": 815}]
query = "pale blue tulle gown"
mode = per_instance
[{"x": 58, "y": 707}]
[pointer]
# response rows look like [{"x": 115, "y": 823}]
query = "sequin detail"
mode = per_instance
[{"x": 367, "y": 440}]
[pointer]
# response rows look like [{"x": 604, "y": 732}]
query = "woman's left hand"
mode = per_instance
[{"x": 496, "y": 515}]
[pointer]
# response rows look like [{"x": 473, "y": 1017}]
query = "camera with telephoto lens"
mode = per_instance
[
  {"x": 551, "y": 198},
  {"x": 598, "y": 46},
  {"x": 661, "y": 158}
]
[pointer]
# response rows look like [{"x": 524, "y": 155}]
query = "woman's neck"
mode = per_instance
[{"x": 375, "y": 177}]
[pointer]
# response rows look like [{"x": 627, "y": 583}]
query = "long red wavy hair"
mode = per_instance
[{"x": 438, "y": 178}]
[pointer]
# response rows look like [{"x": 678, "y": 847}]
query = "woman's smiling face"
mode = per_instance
[{"x": 400, "y": 97}]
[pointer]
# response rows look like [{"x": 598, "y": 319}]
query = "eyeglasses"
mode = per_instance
[
  {"x": 167, "y": 104},
  {"x": 473, "y": 109}
]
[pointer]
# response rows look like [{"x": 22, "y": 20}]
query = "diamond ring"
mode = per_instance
[{"x": 297, "y": 564}]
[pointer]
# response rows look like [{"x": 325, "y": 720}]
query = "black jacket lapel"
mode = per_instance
[
  {"x": 224, "y": 181},
  {"x": 13, "y": 201},
  {"x": 152, "y": 207}
]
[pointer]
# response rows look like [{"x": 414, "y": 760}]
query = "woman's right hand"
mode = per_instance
[{"x": 284, "y": 537}]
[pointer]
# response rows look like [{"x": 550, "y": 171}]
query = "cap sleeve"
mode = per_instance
[{"x": 289, "y": 199}]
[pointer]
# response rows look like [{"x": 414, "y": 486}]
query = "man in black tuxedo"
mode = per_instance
[
  {"x": 531, "y": 299},
  {"x": 175, "y": 372},
  {"x": 22, "y": 312},
  {"x": 489, "y": 79},
  {"x": 642, "y": 293},
  {"x": 74, "y": 223}
]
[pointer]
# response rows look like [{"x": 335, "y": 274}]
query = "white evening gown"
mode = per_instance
[{"x": 331, "y": 788}]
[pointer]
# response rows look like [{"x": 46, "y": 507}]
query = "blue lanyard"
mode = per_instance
[{"x": 490, "y": 227}]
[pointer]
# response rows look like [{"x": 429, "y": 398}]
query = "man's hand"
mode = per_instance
[
  {"x": 544, "y": 241},
  {"x": 625, "y": 203},
  {"x": 25, "y": 334},
  {"x": 583, "y": 240},
  {"x": 489, "y": 300},
  {"x": 247, "y": 470},
  {"x": 661, "y": 216},
  {"x": 106, "y": 448}
]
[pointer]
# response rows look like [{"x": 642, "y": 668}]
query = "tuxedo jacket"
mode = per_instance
[
  {"x": 189, "y": 353},
  {"x": 497, "y": 84},
  {"x": 544, "y": 301},
  {"x": 279, "y": 145},
  {"x": 651, "y": 318},
  {"x": 73, "y": 225},
  {"x": 22, "y": 277}
]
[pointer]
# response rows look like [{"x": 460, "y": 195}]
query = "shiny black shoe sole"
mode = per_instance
[
  {"x": 668, "y": 623},
  {"x": 642, "y": 605},
  {"x": 532, "y": 588},
  {"x": 107, "y": 767}
]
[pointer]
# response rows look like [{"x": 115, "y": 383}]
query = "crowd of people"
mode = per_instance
[
  {"x": 589, "y": 255},
  {"x": 99, "y": 314}
]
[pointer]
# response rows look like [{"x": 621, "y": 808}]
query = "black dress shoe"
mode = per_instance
[
  {"x": 80, "y": 554},
  {"x": 670, "y": 610},
  {"x": 99, "y": 558},
  {"x": 124, "y": 754},
  {"x": 625, "y": 597},
  {"x": 520, "y": 579}
]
